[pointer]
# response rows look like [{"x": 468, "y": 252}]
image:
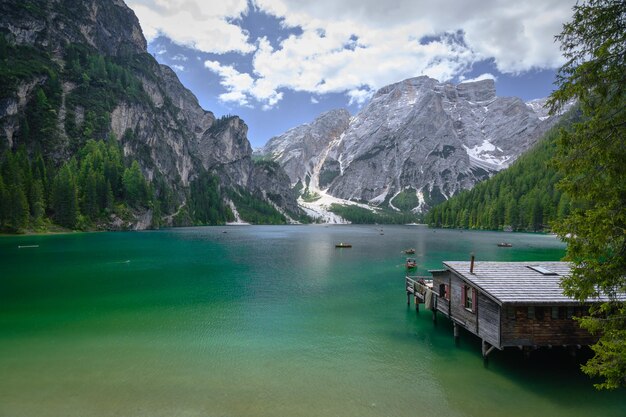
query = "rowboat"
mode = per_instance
[{"x": 343, "y": 245}]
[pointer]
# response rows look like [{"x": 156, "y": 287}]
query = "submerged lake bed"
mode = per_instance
[{"x": 262, "y": 321}]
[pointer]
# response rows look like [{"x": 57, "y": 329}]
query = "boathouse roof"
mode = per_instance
[{"x": 517, "y": 282}]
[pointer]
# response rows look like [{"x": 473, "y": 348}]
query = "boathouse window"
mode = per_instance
[
  {"x": 531, "y": 313},
  {"x": 468, "y": 296},
  {"x": 510, "y": 313},
  {"x": 555, "y": 313},
  {"x": 444, "y": 291},
  {"x": 539, "y": 313},
  {"x": 570, "y": 312}
]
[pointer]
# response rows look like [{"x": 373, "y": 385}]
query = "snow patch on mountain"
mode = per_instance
[
  {"x": 320, "y": 208},
  {"x": 484, "y": 157}
]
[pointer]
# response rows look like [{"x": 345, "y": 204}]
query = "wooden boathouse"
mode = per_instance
[{"x": 506, "y": 304}]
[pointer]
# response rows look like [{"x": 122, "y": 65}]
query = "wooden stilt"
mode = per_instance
[
  {"x": 417, "y": 304},
  {"x": 435, "y": 316},
  {"x": 408, "y": 298},
  {"x": 455, "y": 328},
  {"x": 486, "y": 348}
]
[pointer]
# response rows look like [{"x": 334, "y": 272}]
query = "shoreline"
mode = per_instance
[{"x": 61, "y": 231}]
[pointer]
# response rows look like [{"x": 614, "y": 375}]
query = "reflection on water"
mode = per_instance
[{"x": 260, "y": 321}]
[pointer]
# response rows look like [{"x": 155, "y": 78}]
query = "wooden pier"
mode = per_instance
[{"x": 420, "y": 288}]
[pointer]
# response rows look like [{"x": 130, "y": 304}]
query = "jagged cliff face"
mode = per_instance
[
  {"x": 167, "y": 132},
  {"x": 418, "y": 136},
  {"x": 108, "y": 26},
  {"x": 302, "y": 150}
]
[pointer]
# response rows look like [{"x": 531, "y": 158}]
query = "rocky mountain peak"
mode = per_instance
[
  {"x": 404, "y": 87},
  {"x": 110, "y": 27},
  {"x": 417, "y": 136},
  {"x": 301, "y": 150},
  {"x": 477, "y": 91}
]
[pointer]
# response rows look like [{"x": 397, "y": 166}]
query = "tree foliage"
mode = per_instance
[
  {"x": 65, "y": 198},
  {"x": 360, "y": 215},
  {"x": 523, "y": 197},
  {"x": 591, "y": 158},
  {"x": 136, "y": 190},
  {"x": 253, "y": 209},
  {"x": 78, "y": 194},
  {"x": 406, "y": 200},
  {"x": 206, "y": 203},
  {"x": 36, "y": 186}
]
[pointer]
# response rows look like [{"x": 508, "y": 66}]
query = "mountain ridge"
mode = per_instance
[
  {"x": 418, "y": 136},
  {"x": 91, "y": 62}
]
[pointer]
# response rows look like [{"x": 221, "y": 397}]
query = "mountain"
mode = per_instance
[
  {"x": 417, "y": 140},
  {"x": 72, "y": 72},
  {"x": 521, "y": 197},
  {"x": 301, "y": 150}
]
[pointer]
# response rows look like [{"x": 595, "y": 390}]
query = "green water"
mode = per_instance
[{"x": 260, "y": 321}]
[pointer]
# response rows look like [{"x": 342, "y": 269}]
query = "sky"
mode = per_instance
[{"x": 280, "y": 63}]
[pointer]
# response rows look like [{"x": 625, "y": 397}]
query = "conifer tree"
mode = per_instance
[
  {"x": 591, "y": 160},
  {"x": 65, "y": 198},
  {"x": 3, "y": 202},
  {"x": 36, "y": 201},
  {"x": 17, "y": 208},
  {"x": 135, "y": 187}
]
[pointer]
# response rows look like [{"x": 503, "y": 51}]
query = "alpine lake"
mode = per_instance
[{"x": 262, "y": 321}]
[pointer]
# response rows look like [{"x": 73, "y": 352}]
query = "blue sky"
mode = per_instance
[{"x": 280, "y": 63}]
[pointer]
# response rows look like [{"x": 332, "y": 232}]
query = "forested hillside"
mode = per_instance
[
  {"x": 523, "y": 197},
  {"x": 75, "y": 175},
  {"x": 96, "y": 135}
]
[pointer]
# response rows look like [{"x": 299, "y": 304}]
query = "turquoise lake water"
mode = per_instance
[{"x": 261, "y": 321}]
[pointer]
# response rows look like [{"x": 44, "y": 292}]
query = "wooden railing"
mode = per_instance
[{"x": 413, "y": 282}]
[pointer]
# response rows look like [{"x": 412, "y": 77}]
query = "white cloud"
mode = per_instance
[
  {"x": 518, "y": 35},
  {"x": 314, "y": 100},
  {"x": 357, "y": 46},
  {"x": 242, "y": 88},
  {"x": 329, "y": 62},
  {"x": 179, "y": 68},
  {"x": 196, "y": 24},
  {"x": 485, "y": 76},
  {"x": 359, "y": 96}
]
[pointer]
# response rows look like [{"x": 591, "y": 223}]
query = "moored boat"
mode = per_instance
[{"x": 343, "y": 245}]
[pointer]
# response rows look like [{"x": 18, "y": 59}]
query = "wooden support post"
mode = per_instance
[
  {"x": 484, "y": 352},
  {"x": 417, "y": 304},
  {"x": 408, "y": 298},
  {"x": 487, "y": 349},
  {"x": 435, "y": 316},
  {"x": 455, "y": 332}
]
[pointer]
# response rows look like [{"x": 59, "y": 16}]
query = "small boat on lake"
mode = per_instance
[
  {"x": 409, "y": 251},
  {"x": 343, "y": 245},
  {"x": 505, "y": 245},
  {"x": 411, "y": 263}
]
